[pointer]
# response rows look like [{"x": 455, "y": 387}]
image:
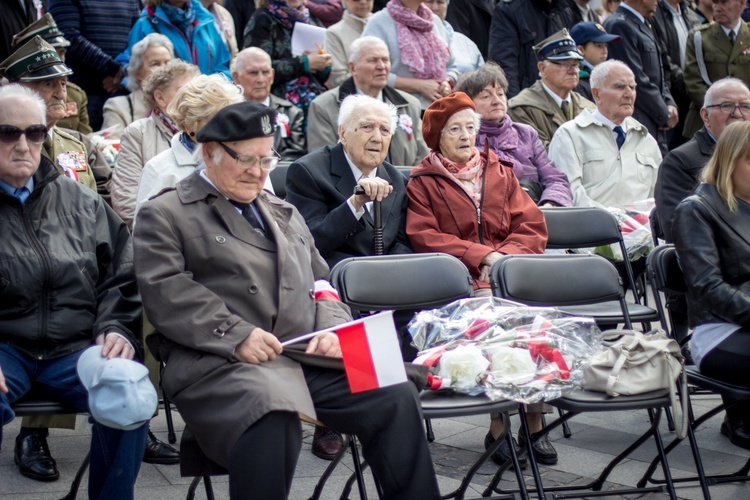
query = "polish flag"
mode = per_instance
[{"x": 371, "y": 352}]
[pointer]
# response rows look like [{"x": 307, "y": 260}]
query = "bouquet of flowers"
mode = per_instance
[{"x": 504, "y": 350}]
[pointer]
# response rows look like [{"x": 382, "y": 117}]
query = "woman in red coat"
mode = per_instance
[{"x": 467, "y": 203}]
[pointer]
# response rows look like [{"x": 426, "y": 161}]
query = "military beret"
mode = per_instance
[
  {"x": 239, "y": 122},
  {"x": 558, "y": 47},
  {"x": 436, "y": 116},
  {"x": 35, "y": 61},
  {"x": 46, "y": 28}
]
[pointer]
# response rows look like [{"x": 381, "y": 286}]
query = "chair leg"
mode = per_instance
[
  {"x": 652, "y": 414},
  {"x": 530, "y": 453},
  {"x": 429, "y": 431},
  {"x": 73, "y": 492},
  {"x": 171, "y": 436},
  {"x": 209, "y": 487},
  {"x": 358, "y": 468},
  {"x": 193, "y": 485},
  {"x": 565, "y": 427},
  {"x": 318, "y": 491}
]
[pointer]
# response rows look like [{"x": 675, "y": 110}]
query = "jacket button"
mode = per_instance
[
  {"x": 221, "y": 239},
  {"x": 253, "y": 289}
]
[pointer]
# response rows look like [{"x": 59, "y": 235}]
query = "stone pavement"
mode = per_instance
[{"x": 596, "y": 438}]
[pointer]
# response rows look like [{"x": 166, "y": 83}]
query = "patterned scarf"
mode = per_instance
[
  {"x": 425, "y": 53},
  {"x": 184, "y": 19},
  {"x": 288, "y": 15},
  {"x": 467, "y": 175},
  {"x": 167, "y": 121}
]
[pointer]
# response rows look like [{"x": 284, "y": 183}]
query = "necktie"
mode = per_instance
[
  {"x": 565, "y": 109},
  {"x": 731, "y": 36},
  {"x": 249, "y": 214},
  {"x": 22, "y": 194},
  {"x": 620, "y": 139}
]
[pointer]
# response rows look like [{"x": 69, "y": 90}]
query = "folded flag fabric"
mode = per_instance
[{"x": 371, "y": 352}]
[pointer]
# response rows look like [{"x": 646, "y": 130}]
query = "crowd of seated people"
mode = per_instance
[{"x": 203, "y": 105}]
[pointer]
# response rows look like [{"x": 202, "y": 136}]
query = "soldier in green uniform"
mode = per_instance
[
  {"x": 77, "y": 116},
  {"x": 715, "y": 51}
]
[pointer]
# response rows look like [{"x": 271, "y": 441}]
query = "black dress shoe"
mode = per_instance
[
  {"x": 159, "y": 452},
  {"x": 544, "y": 452},
  {"x": 33, "y": 458},
  {"x": 326, "y": 443},
  {"x": 502, "y": 453},
  {"x": 737, "y": 432}
]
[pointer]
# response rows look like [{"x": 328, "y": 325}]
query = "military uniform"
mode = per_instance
[
  {"x": 709, "y": 57},
  {"x": 78, "y": 115},
  {"x": 69, "y": 156}
]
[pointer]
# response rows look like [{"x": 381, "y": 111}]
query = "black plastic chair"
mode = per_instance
[
  {"x": 33, "y": 405},
  {"x": 278, "y": 178},
  {"x": 564, "y": 281},
  {"x": 416, "y": 282},
  {"x": 667, "y": 278},
  {"x": 586, "y": 227}
]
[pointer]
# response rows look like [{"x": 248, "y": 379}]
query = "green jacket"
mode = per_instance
[
  {"x": 534, "y": 107},
  {"x": 78, "y": 115},
  {"x": 69, "y": 154},
  {"x": 721, "y": 59}
]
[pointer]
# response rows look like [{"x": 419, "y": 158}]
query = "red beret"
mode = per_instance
[{"x": 438, "y": 114}]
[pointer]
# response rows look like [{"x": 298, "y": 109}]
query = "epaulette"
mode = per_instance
[{"x": 703, "y": 26}]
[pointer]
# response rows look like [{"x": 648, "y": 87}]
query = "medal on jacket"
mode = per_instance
[
  {"x": 71, "y": 109},
  {"x": 72, "y": 162},
  {"x": 282, "y": 121},
  {"x": 406, "y": 124}
]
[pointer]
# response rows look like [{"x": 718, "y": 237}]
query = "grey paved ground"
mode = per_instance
[{"x": 596, "y": 438}]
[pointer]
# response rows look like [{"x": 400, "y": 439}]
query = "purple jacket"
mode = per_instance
[{"x": 519, "y": 144}]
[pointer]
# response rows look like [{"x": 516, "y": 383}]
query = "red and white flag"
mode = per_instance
[{"x": 371, "y": 352}]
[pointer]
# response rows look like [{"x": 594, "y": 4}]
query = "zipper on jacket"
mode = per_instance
[{"x": 39, "y": 250}]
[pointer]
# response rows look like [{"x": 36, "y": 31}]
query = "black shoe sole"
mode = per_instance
[
  {"x": 161, "y": 461},
  {"x": 36, "y": 477},
  {"x": 324, "y": 456},
  {"x": 725, "y": 430}
]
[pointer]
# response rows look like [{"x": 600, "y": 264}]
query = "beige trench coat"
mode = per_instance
[{"x": 208, "y": 279}]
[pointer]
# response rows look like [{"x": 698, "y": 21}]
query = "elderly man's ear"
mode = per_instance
[{"x": 341, "y": 135}]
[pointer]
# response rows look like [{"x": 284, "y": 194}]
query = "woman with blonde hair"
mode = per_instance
[
  {"x": 147, "y": 137},
  {"x": 711, "y": 232},
  {"x": 192, "y": 107}
]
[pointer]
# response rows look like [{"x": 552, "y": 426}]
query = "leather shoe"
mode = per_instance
[
  {"x": 736, "y": 431},
  {"x": 544, "y": 452},
  {"x": 33, "y": 458},
  {"x": 502, "y": 453},
  {"x": 159, "y": 452},
  {"x": 326, "y": 443}
]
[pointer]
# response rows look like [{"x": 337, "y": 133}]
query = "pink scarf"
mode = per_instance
[
  {"x": 425, "y": 53},
  {"x": 467, "y": 175}
]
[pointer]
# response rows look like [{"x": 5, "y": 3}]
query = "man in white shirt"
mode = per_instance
[{"x": 609, "y": 157}]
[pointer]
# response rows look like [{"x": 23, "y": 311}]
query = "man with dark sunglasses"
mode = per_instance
[
  {"x": 67, "y": 282},
  {"x": 36, "y": 65}
]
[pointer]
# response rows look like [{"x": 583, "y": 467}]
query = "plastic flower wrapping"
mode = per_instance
[{"x": 503, "y": 349}]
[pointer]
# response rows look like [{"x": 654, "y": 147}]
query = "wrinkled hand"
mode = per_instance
[
  {"x": 3, "y": 386},
  {"x": 317, "y": 61},
  {"x": 325, "y": 344},
  {"x": 445, "y": 88},
  {"x": 114, "y": 347},
  {"x": 491, "y": 258},
  {"x": 259, "y": 347},
  {"x": 484, "y": 273},
  {"x": 375, "y": 189},
  {"x": 673, "y": 118},
  {"x": 431, "y": 89}
]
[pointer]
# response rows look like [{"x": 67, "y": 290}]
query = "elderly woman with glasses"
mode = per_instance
[
  {"x": 465, "y": 202},
  {"x": 151, "y": 52}
]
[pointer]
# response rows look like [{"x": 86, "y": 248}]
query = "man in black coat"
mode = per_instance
[
  {"x": 518, "y": 25},
  {"x": 17, "y": 14},
  {"x": 473, "y": 19},
  {"x": 639, "y": 49},
  {"x": 321, "y": 185}
]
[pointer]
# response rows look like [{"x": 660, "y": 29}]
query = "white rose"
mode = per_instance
[
  {"x": 511, "y": 364},
  {"x": 463, "y": 366}
]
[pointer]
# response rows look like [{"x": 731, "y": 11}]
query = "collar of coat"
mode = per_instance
[
  {"x": 738, "y": 222},
  {"x": 630, "y": 124},
  {"x": 536, "y": 97},
  {"x": 391, "y": 95},
  {"x": 705, "y": 143}
]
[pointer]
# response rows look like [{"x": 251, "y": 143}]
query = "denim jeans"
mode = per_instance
[{"x": 116, "y": 455}]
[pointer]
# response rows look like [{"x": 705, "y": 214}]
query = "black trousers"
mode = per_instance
[{"x": 388, "y": 423}]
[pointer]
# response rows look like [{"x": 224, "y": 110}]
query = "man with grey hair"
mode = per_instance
[
  {"x": 370, "y": 65},
  {"x": 253, "y": 71},
  {"x": 609, "y": 157},
  {"x": 726, "y": 101}
]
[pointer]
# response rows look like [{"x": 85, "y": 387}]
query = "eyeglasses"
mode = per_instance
[
  {"x": 455, "y": 130},
  {"x": 267, "y": 163},
  {"x": 10, "y": 134},
  {"x": 728, "y": 107},
  {"x": 567, "y": 66}
]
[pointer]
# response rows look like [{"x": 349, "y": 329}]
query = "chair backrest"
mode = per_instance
[
  {"x": 401, "y": 282},
  {"x": 278, "y": 179},
  {"x": 664, "y": 268},
  {"x": 580, "y": 227},
  {"x": 656, "y": 230},
  {"x": 405, "y": 170},
  {"x": 583, "y": 227},
  {"x": 557, "y": 280}
]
